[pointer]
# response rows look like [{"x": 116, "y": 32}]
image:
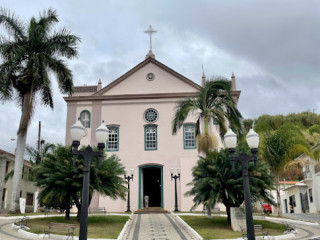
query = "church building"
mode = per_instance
[{"x": 138, "y": 109}]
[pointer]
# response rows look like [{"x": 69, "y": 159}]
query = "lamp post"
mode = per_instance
[
  {"x": 77, "y": 131},
  {"x": 175, "y": 177},
  {"x": 128, "y": 178},
  {"x": 230, "y": 139}
]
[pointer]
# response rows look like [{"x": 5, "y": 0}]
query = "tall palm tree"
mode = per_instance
[
  {"x": 36, "y": 155},
  {"x": 29, "y": 53},
  {"x": 213, "y": 103},
  {"x": 279, "y": 147}
]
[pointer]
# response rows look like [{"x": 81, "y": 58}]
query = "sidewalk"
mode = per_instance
[{"x": 309, "y": 217}]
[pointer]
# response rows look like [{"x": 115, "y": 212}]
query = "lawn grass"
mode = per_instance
[
  {"x": 217, "y": 227},
  {"x": 108, "y": 226}
]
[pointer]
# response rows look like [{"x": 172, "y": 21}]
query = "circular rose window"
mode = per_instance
[
  {"x": 151, "y": 115},
  {"x": 150, "y": 76}
]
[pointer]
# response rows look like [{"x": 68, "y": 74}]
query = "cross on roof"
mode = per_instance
[{"x": 150, "y": 31}]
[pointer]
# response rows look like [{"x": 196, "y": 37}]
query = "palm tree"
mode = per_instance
[
  {"x": 28, "y": 56},
  {"x": 279, "y": 147},
  {"x": 59, "y": 180},
  {"x": 36, "y": 155},
  {"x": 214, "y": 180},
  {"x": 213, "y": 103}
]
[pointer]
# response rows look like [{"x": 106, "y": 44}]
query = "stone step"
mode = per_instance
[{"x": 150, "y": 210}]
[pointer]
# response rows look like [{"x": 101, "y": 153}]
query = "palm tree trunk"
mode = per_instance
[
  {"x": 278, "y": 196},
  {"x": 68, "y": 203},
  {"x": 228, "y": 214},
  {"x": 209, "y": 211},
  {"x": 206, "y": 126},
  {"x": 78, "y": 205},
  {"x": 3, "y": 163},
  {"x": 26, "y": 111},
  {"x": 18, "y": 166}
]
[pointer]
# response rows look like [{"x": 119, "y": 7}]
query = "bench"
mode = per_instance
[
  {"x": 21, "y": 222},
  {"x": 60, "y": 228},
  {"x": 97, "y": 210},
  {"x": 213, "y": 211},
  {"x": 48, "y": 210},
  {"x": 258, "y": 230},
  {"x": 289, "y": 227}
]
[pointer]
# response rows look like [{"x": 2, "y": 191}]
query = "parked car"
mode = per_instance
[{"x": 267, "y": 208}]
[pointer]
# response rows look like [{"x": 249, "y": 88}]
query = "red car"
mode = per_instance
[{"x": 267, "y": 208}]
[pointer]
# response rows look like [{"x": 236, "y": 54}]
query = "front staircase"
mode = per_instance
[{"x": 150, "y": 210}]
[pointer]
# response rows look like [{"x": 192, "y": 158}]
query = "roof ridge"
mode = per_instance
[{"x": 139, "y": 66}]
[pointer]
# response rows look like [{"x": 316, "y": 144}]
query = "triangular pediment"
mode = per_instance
[{"x": 136, "y": 81}]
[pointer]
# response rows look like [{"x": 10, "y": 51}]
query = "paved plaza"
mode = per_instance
[{"x": 163, "y": 227}]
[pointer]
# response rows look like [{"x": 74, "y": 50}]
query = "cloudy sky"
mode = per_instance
[{"x": 273, "y": 47}]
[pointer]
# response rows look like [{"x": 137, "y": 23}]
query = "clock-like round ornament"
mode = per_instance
[{"x": 151, "y": 115}]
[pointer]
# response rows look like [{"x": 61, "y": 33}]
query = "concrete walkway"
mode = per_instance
[
  {"x": 9, "y": 233},
  {"x": 158, "y": 227}
]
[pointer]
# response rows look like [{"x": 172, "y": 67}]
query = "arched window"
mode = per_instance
[{"x": 85, "y": 118}]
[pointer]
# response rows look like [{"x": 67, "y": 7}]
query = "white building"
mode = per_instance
[
  {"x": 138, "y": 108},
  {"x": 27, "y": 188},
  {"x": 304, "y": 196}
]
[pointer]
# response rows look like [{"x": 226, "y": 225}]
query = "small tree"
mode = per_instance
[
  {"x": 60, "y": 180},
  {"x": 214, "y": 180}
]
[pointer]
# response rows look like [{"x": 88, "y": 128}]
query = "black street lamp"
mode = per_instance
[
  {"x": 77, "y": 131},
  {"x": 230, "y": 140},
  {"x": 128, "y": 178},
  {"x": 175, "y": 177}
]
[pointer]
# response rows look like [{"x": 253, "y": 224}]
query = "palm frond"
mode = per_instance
[
  {"x": 12, "y": 23},
  {"x": 8, "y": 176},
  {"x": 183, "y": 110}
]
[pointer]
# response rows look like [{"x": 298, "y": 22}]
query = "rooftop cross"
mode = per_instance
[{"x": 150, "y": 31}]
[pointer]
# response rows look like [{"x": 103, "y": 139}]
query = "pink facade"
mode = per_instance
[{"x": 142, "y": 139}]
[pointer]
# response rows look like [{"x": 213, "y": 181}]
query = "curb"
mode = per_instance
[
  {"x": 56, "y": 236},
  {"x": 188, "y": 227},
  {"x": 285, "y": 236},
  {"x": 124, "y": 228}
]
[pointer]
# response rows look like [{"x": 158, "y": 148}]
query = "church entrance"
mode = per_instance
[{"x": 151, "y": 185}]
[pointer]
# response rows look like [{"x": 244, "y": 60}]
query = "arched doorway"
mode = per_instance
[{"x": 151, "y": 184}]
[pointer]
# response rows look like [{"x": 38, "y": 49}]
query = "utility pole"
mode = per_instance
[{"x": 39, "y": 140}]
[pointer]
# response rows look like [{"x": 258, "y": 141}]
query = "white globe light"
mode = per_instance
[
  {"x": 132, "y": 171},
  {"x": 179, "y": 170},
  {"x": 171, "y": 170},
  {"x": 77, "y": 131},
  {"x": 252, "y": 139},
  {"x": 230, "y": 139},
  {"x": 102, "y": 133}
]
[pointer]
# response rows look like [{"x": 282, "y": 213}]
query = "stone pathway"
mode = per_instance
[{"x": 157, "y": 227}]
